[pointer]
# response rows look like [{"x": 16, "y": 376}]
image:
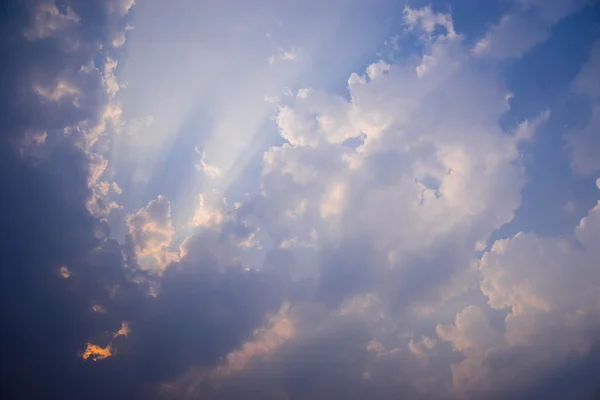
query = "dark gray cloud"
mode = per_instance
[{"x": 47, "y": 320}]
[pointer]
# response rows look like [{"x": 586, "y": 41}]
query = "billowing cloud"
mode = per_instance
[
  {"x": 364, "y": 254},
  {"x": 152, "y": 231},
  {"x": 432, "y": 156},
  {"x": 549, "y": 288}
]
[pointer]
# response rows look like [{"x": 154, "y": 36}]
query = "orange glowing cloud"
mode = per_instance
[
  {"x": 96, "y": 353},
  {"x": 124, "y": 330}
]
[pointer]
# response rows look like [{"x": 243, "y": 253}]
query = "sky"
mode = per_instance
[{"x": 297, "y": 200}]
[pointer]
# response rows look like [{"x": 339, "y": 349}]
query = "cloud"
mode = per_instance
[
  {"x": 549, "y": 289},
  {"x": 207, "y": 170},
  {"x": 119, "y": 7},
  {"x": 265, "y": 341},
  {"x": 152, "y": 231},
  {"x": 51, "y": 104},
  {"x": 527, "y": 25},
  {"x": 419, "y": 160},
  {"x": 354, "y": 270},
  {"x": 292, "y": 54},
  {"x": 526, "y": 129},
  {"x": 47, "y": 20},
  {"x": 56, "y": 93},
  {"x": 428, "y": 20},
  {"x": 584, "y": 143},
  {"x": 96, "y": 353},
  {"x": 433, "y": 157}
]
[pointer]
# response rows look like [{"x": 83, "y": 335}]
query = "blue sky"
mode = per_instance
[{"x": 300, "y": 199}]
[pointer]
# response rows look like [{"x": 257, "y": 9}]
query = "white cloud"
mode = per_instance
[
  {"x": 279, "y": 328},
  {"x": 512, "y": 37},
  {"x": 291, "y": 54},
  {"x": 428, "y": 20},
  {"x": 442, "y": 125},
  {"x": 526, "y": 129},
  {"x": 209, "y": 213},
  {"x": 422, "y": 349},
  {"x": 527, "y": 25},
  {"x": 471, "y": 331},
  {"x": 119, "y": 7},
  {"x": 208, "y": 171},
  {"x": 584, "y": 144},
  {"x": 550, "y": 289},
  {"x": 432, "y": 177},
  {"x": 397, "y": 214},
  {"x": 152, "y": 231}
]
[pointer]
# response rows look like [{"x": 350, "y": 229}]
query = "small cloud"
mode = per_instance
[
  {"x": 31, "y": 142},
  {"x": 427, "y": 21},
  {"x": 119, "y": 7},
  {"x": 97, "y": 308},
  {"x": 96, "y": 353},
  {"x": 250, "y": 242},
  {"x": 422, "y": 349},
  {"x": 526, "y": 129},
  {"x": 64, "y": 272},
  {"x": 124, "y": 330},
  {"x": 58, "y": 91},
  {"x": 209, "y": 171},
  {"x": 291, "y": 54},
  {"x": 152, "y": 231},
  {"x": 110, "y": 80},
  {"x": 47, "y": 21},
  {"x": 116, "y": 188}
]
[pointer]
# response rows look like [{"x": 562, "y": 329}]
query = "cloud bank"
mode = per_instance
[{"x": 365, "y": 263}]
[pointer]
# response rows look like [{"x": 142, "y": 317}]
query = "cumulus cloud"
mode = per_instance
[
  {"x": 428, "y": 139},
  {"x": 209, "y": 212},
  {"x": 152, "y": 231},
  {"x": 435, "y": 159},
  {"x": 548, "y": 287},
  {"x": 359, "y": 268}
]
